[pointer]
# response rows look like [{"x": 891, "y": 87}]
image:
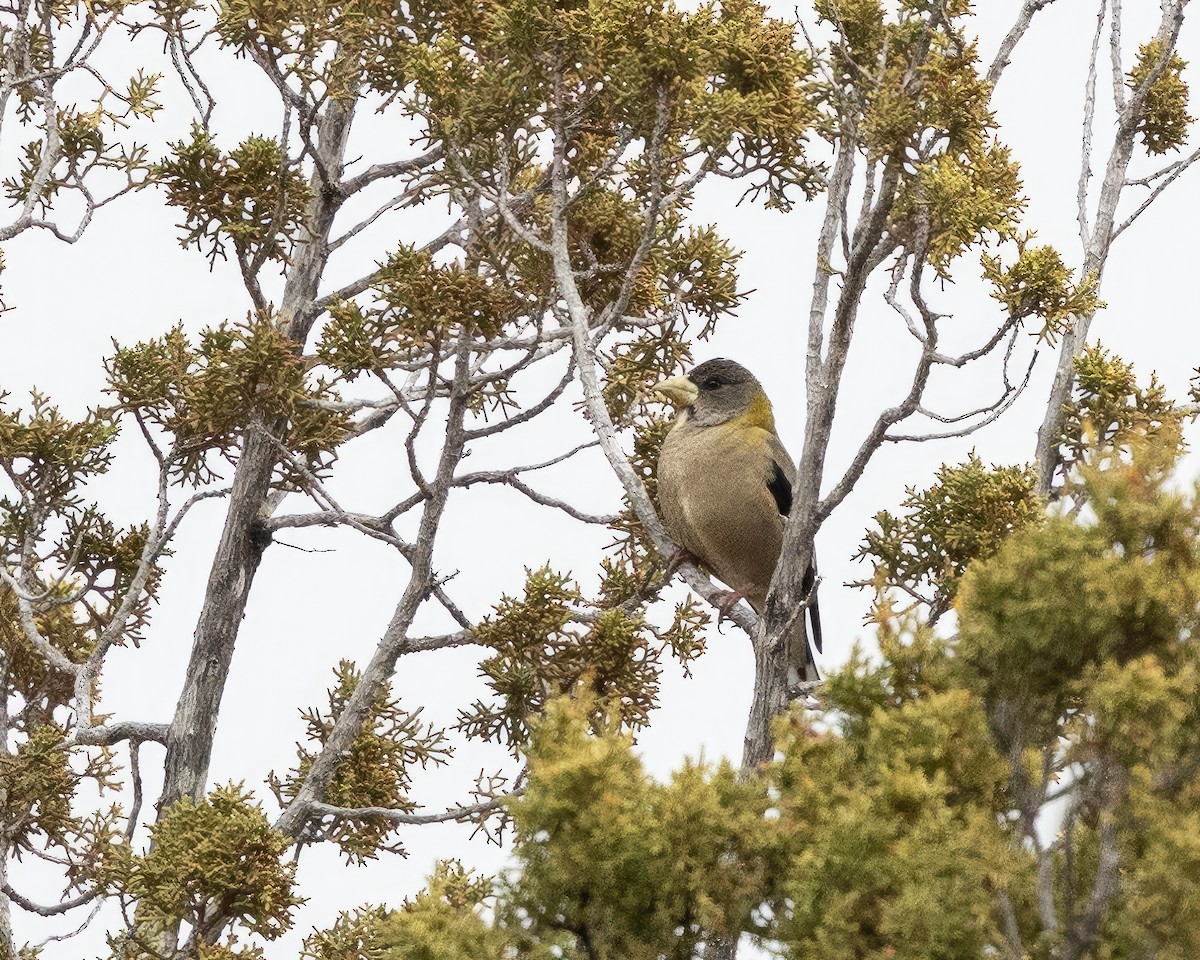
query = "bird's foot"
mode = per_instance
[
  {"x": 726, "y": 601},
  {"x": 681, "y": 556}
]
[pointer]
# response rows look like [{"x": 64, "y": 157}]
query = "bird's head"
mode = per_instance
[{"x": 718, "y": 391}]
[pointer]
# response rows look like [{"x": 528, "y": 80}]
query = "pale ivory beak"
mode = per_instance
[{"x": 679, "y": 390}]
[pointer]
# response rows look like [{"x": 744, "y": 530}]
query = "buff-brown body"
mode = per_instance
[{"x": 725, "y": 480}]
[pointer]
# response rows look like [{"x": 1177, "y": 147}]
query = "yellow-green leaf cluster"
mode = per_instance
[
  {"x": 541, "y": 649},
  {"x": 251, "y": 197},
  {"x": 218, "y": 854},
  {"x": 237, "y": 378},
  {"x": 37, "y": 786},
  {"x": 52, "y": 455},
  {"x": 416, "y": 305},
  {"x": 376, "y": 771},
  {"x": 444, "y": 921},
  {"x": 895, "y": 848},
  {"x": 964, "y": 516},
  {"x": 905, "y": 87},
  {"x": 1110, "y": 413},
  {"x": 1163, "y": 121},
  {"x": 1039, "y": 284},
  {"x": 1061, "y": 600},
  {"x": 955, "y": 202},
  {"x": 633, "y": 867}
]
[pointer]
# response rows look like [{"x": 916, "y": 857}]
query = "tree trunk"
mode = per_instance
[{"x": 190, "y": 739}]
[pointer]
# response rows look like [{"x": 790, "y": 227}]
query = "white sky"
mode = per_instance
[{"x": 128, "y": 279}]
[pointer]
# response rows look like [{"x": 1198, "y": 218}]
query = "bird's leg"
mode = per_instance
[
  {"x": 681, "y": 556},
  {"x": 728, "y": 599}
]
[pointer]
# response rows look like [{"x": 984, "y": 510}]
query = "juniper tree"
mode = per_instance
[
  {"x": 573, "y": 131},
  {"x": 905, "y": 821},
  {"x": 567, "y": 143}
]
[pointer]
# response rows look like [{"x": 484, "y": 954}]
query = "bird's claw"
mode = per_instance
[
  {"x": 727, "y": 600},
  {"x": 681, "y": 556}
]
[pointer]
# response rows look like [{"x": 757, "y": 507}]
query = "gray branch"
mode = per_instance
[{"x": 1013, "y": 37}]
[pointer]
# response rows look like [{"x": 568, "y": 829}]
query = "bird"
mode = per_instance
[{"x": 725, "y": 487}]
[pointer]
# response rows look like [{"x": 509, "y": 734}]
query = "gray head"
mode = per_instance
[{"x": 717, "y": 391}]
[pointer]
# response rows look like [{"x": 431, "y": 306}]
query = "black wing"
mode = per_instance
[{"x": 781, "y": 489}]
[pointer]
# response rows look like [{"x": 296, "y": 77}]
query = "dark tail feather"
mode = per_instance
[
  {"x": 814, "y": 618},
  {"x": 814, "y": 611}
]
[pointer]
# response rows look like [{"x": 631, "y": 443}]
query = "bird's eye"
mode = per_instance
[{"x": 712, "y": 383}]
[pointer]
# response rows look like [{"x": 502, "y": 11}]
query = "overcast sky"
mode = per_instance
[{"x": 128, "y": 279}]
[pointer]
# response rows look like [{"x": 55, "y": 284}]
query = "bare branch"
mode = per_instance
[
  {"x": 395, "y": 640},
  {"x": 510, "y": 479},
  {"x": 530, "y": 412},
  {"x": 108, "y": 734},
  {"x": 988, "y": 414},
  {"x": 1089, "y": 127},
  {"x": 53, "y": 656},
  {"x": 1082, "y": 936},
  {"x": 399, "y": 168},
  {"x": 43, "y": 910},
  {"x": 454, "y": 814},
  {"x": 1177, "y": 169},
  {"x": 1012, "y": 932},
  {"x": 1114, "y": 49},
  {"x": 1015, "y": 33}
]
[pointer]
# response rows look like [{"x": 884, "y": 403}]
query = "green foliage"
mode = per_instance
[
  {"x": 636, "y": 567},
  {"x": 899, "y": 821},
  {"x": 904, "y": 86},
  {"x": 37, "y": 783},
  {"x": 355, "y": 935},
  {"x": 1020, "y": 636},
  {"x": 417, "y": 305},
  {"x": 964, "y": 516},
  {"x": 50, "y": 456},
  {"x": 956, "y": 202},
  {"x": 632, "y": 867},
  {"x": 208, "y": 396},
  {"x": 444, "y": 921},
  {"x": 724, "y": 79},
  {"x": 216, "y": 854},
  {"x": 251, "y": 197},
  {"x": 375, "y": 772},
  {"x": 970, "y": 510},
  {"x": 544, "y": 646},
  {"x": 85, "y": 141},
  {"x": 72, "y": 551},
  {"x": 1161, "y": 875},
  {"x": 229, "y": 951},
  {"x": 1131, "y": 576},
  {"x": 896, "y": 847},
  {"x": 1111, "y": 413},
  {"x": 909, "y": 87},
  {"x": 633, "y": 368},
  {"x": 1038, "y": 284},
  {"x": 27, "y": 673},
  {"x": 1164, "y": 120}
]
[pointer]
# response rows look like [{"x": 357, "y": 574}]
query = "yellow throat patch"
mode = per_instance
[{"x": 759, "y": 414}]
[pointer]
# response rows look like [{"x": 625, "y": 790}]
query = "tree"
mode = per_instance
[
  {"x": 569, "y": 143},
  {"x": 906, "y": 822}
]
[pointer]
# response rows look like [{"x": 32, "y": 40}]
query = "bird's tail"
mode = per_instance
[{"x": 802, "y": 666}]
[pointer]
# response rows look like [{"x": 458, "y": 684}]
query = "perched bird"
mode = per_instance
[{"x": 725, "y": 484}]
